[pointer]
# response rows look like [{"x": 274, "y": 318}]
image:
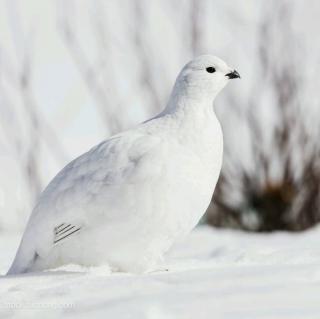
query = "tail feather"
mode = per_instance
[{"x": 24, "y": 260}]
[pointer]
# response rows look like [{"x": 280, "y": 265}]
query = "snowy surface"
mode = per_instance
[{"x": 212, "y": 274}]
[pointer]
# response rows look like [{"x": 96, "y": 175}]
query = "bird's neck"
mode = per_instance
[
  {"x": 190, "y": 109},
  {"x": 193, "y": 123},
  {"x": 196, "y": 126},
  {"x": 189, "y": 114}
]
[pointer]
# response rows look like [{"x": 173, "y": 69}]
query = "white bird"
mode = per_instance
[{"x": 128, "y": 199}]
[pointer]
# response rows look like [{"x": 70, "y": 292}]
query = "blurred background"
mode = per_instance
[{"x": 74, "y": 72}]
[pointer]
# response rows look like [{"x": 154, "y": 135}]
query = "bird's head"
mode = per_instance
[{"x": 205, "y": 76}]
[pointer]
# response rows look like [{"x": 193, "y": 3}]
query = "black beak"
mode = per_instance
[{"x": 233, "y": 75}]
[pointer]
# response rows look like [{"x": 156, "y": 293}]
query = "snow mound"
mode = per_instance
[{"x": 212, "y": 274}]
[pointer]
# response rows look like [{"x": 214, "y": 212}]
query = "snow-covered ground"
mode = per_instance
[{"x": 212, "y": 274}]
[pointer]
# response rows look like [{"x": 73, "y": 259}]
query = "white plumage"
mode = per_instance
[{"x": 125, "y": 202}]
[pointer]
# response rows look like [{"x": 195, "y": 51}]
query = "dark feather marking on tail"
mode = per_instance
[
  {"x": 67, "y": 235},
  {"x": 65, "y": 231},
  {"x": 58, "y": 231},
  {"x": 57, "y": 228}
]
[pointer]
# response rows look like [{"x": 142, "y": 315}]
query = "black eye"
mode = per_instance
[{"x": 211, "y": 69}]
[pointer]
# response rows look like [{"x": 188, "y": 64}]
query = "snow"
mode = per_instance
[{"x": 211, "y": 274}]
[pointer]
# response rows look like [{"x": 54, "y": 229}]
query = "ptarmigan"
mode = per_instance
[{"x": 128, "y": 199}]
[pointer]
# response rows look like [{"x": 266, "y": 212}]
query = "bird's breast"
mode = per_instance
[{"x": 191, "y": 170}]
